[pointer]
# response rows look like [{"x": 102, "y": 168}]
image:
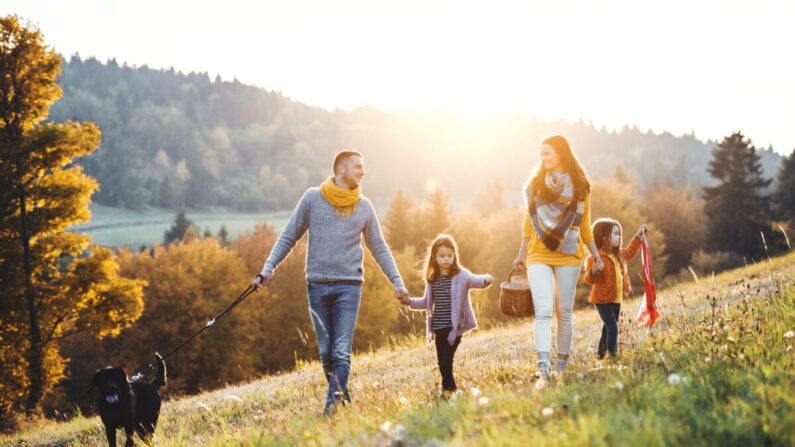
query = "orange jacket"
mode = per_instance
[{"x": 603, "y": 288}]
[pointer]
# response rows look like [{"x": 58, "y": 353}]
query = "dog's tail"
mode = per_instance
[{"x": 160, "y": 376}]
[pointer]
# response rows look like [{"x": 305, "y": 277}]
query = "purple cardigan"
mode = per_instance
[{"x": 463, "y": 317}]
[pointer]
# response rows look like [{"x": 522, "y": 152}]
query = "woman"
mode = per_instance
[{"x": 556, "y": 225}]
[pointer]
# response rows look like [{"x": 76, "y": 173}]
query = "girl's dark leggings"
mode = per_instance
[
  {"x": 445, "y": 353},
  {"x": 609, "y": 340}
]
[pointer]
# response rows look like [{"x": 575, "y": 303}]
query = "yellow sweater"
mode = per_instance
[
  {"x": 538, "y": 253},
  {"x": 619, "y": 279}
]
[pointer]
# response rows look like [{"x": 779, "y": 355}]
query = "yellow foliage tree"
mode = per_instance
[
  {"x": 188, "y": 283},
  {"x": 55, "y": 284}
]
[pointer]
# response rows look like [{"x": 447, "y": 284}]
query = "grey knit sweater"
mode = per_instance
[{"x": 335, "y": 243}]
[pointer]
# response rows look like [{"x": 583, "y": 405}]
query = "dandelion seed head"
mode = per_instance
[
  {"x": 483, "y": 401},
  {"x": 547, "y": 412},
  {"x": 474, "y": 391},
  {"x": 619, "y": 386},
  {"x": 789, "y": 334},
  {"x": 386, "y": 426},
  {"x": 674, "y": 379}
]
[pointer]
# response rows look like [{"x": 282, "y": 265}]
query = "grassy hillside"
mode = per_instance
[{"x": 717, "y": 369}]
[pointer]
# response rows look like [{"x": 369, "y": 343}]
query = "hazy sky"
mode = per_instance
[{"x": 707, "y": 66}]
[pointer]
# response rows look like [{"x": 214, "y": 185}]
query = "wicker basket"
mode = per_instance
[{"x": 515, "y": 297}]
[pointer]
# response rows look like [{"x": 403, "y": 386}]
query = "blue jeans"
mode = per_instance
[
  {"x": 333, "y": 308},
  {"x": 609, "y": 340}
]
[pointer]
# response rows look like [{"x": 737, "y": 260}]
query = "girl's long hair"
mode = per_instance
[
  {"x": 432, "y": 270},
  {"x": 536, "y": 184},
  {"x": 602, "y": 229}
]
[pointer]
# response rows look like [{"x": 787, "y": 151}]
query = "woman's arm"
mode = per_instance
[
  {"x": 521, "y": 258},
  {"x": 527, "y": 231},
  {"x": 587, "y": 235},
  {"x": 590, "y": 279},
  {"x": 599, "y": 264}
]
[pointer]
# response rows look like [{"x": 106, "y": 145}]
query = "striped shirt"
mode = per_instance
[{"x": 440, "y": 290}]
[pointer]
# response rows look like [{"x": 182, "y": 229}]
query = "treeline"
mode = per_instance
[{"x": 177, "y": 141}]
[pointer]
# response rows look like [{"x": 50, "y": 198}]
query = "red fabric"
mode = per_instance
[{"x": 648, "y": 309}]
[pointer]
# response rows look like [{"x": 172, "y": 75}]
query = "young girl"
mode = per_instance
[
  {"x": 610, "y": 284},
  {"x": 446, "y": 302}
]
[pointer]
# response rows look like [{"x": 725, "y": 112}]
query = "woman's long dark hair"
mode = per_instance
[{"x": 536, "y": 184}]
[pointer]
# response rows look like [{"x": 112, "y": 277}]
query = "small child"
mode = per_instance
[
  {"x": 446, "y": 302},
  {"x": 611, "y": 284}
]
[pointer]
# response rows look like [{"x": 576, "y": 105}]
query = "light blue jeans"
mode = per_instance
[{"x": 333, "y": 308}]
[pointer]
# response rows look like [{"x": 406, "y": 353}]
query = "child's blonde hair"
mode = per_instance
[{"x": 431, "y": 266}]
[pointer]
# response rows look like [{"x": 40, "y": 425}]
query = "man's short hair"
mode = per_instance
[{"x": 341, "y": 157}]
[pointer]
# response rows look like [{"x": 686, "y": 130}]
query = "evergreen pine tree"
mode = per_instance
[
  {"x": 785, "y": 190},
  {"x": 398, "y": 227},
  {"x": 736, "y": 209},
  {"x": 178, "y": 229}
]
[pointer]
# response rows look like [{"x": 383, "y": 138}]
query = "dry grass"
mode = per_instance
[{"x": 396, "y": 397}]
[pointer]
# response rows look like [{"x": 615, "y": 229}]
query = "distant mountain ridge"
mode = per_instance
[{"x": 176, "y": 140}]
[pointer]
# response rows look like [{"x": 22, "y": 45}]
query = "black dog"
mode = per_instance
[{"x": 133, "y": 407}]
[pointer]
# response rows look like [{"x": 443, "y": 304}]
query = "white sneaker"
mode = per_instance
[
  {"x": 543, "y": 369},
  {"x": 561, "y": 366}
]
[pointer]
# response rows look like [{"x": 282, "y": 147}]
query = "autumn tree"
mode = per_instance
[
  {"x": 398, "y": 223},
  {"x": 55, "y": 283},
  {"x": 490, "y": 200},
  {"x": 188, "y": 284},
  {"x": 283, "y": 330},
  {"x": 433, "y": 220},
  {"x": 679, "y": 214}
]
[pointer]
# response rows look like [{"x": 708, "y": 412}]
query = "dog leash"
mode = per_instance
[{"x": 210, "y": 323}]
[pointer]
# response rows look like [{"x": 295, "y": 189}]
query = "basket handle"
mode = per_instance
[{"x": 514, "y": 270}]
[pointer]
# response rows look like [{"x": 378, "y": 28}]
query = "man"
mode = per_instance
[{"x": 336, "y": 215}]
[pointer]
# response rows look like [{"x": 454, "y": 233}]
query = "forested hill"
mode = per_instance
[{"x": 175, "y": 140}]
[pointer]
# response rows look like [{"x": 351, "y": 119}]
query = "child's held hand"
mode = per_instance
[
  {"x": 404, "y": 300},
  {"x": 489, "y": 279},
  {"x": 598, "y": 265},
  {"x": 643, "y": 230}
]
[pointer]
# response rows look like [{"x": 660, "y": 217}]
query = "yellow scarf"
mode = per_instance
[{"x": 343, "y": 199}]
